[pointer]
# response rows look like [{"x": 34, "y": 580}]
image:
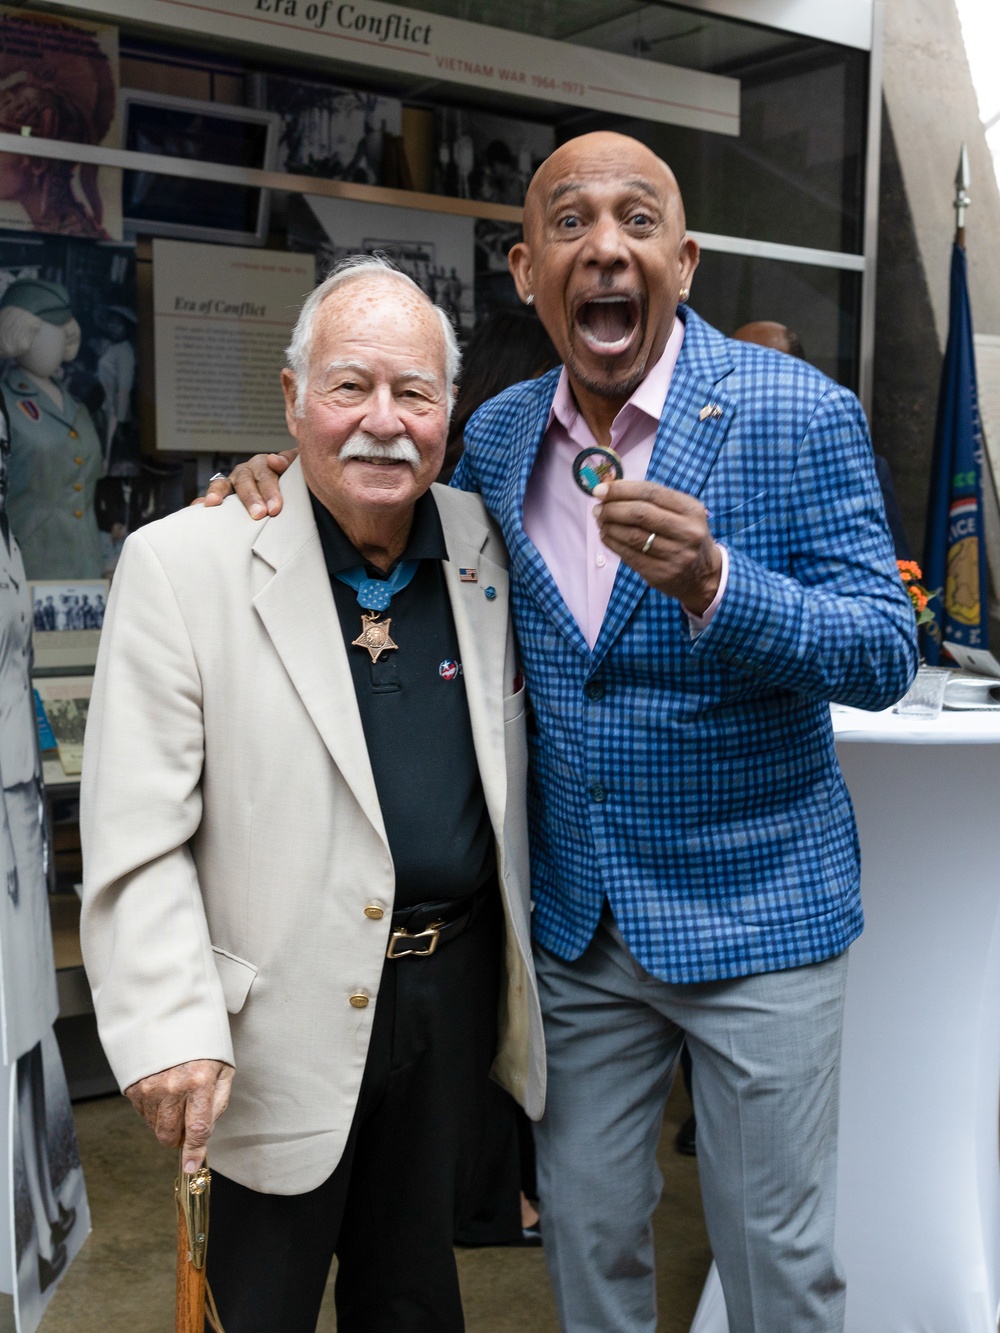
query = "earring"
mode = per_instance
[
  {"x": 685, "y": 292},
  {"x": 529, "y": 299}
]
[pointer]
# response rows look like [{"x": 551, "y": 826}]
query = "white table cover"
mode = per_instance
[{"x": 918, "y": 1210}]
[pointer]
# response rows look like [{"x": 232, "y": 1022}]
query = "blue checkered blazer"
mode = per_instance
[{"x": 692, "y": 781}]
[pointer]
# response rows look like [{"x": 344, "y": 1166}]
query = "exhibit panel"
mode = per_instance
[{"x": 918, "y": 1209}]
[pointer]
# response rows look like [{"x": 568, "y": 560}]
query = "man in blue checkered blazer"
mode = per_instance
[{"x": 695, "y": 863}]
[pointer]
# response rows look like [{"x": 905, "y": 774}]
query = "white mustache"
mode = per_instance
[{"x": 400, "y": 449}]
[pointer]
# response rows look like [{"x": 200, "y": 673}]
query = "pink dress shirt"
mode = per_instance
[{"x": 558, "y": 516}]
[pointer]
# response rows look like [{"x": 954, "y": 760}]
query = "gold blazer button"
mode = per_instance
[
  {"x": 374, "y": 912},
  {"x": 359, "y": 1001}
]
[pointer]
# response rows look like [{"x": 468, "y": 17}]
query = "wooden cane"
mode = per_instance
[{"x": 192, "y": 1192}]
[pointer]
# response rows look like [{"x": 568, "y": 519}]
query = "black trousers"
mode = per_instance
[
  {"x": 388, "y": 1210},
  {"x": 505, "y": 1165}
]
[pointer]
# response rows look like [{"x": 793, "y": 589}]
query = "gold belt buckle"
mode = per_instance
[{"x": 433, "y": 932}]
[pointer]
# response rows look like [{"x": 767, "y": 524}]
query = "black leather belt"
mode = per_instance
[{"x": 418, "y": 931}]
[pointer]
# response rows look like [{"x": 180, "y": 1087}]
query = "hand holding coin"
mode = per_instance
[{"x": 664, "y": 535}]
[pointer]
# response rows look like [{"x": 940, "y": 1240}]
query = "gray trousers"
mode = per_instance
[{"x": 766, "y": 1053}]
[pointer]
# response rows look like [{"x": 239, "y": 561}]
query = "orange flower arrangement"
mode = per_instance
[{"x": 911, "y": 574}]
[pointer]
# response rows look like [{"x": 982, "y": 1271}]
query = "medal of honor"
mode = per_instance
[
  {"x": 374, "y": 636},
  {"x": 593, "y": 466},
  {"x": 374, "y": 597}
]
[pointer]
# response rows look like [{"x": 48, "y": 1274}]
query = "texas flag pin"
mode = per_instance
[{"x": 468, "y": 576}]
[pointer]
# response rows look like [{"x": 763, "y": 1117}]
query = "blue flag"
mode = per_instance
[{"x": 955, "y": 547}]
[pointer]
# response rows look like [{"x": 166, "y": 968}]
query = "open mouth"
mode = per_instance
[{"x": 608, "y": 324}]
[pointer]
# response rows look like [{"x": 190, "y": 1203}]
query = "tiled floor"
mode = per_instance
[{"x": 122, "y": 1282}]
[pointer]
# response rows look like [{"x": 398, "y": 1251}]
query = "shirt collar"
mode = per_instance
[
  {"x": 649, "y": 396},
  {"x": 426, "y": 540}
]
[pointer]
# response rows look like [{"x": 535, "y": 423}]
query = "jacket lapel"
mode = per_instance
[
  {"x": 481, "y": 627},
  {"x": 687, "y": 445},
  {"x": 297, "y": 610}
]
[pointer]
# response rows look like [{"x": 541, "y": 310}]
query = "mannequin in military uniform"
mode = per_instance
[{"x": 56, "y": 456}]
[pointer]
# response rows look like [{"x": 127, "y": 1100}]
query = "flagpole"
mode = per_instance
[
  {"x": 962, "y": 197},
  {"x": 955, "y": 547}
]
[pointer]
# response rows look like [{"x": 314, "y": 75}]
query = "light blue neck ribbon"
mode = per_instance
[{"x": 376, "y": 594}]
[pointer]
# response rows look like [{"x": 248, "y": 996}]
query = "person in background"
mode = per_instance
[{"x": 507, "y": 346}]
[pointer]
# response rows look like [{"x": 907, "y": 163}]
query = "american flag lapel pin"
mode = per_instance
[
  {"x": 710, "y": 410},
  {"x": 467, "y": 575}
]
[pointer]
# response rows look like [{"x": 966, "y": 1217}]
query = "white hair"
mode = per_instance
[
  {"x": 356, "y": 267},
  {"x": 19, "y": 327}
]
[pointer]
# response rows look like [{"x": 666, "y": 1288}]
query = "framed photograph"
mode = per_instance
[
  {"x": 205, "y": 132},
  {"x": 67, "y": 621},
  {"x": 435, "y": 249},
  {"x": 338, "y": 133},
  {"x": 481, "y": 156},
  {"x": 66, "y": 700},
  {"x": 59, "y": 80}
]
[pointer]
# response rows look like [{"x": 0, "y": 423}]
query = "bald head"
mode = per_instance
[
  {"x": 596, "y": 153},
  {"x": 605, "y": 260},
  {"x": 769, "y": 333}
]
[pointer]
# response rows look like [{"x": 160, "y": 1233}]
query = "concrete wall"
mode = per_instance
[{"x": 930, "y": 108}]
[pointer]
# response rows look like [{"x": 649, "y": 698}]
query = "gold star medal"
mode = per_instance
[{"x": 374, "y": 636}]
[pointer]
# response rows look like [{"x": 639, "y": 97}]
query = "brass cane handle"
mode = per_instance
[{"x": 192, "y": 1190}]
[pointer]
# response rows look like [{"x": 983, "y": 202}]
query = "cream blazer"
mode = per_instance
[{"x": 232, "y": 833}]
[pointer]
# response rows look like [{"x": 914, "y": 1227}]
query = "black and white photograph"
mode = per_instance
[
  {"x": 436, "y": 250},
  {"x": 51, "y": 1214},
  {"x": 124, "y": 503},
  {"x": 486, "y": 157},
  {"x": 47, "y": 1218},
  {"x": 339, "y": 133},
  {"x": 68, "y": 606},
  {"x": 77, "y": 421},
  {"x": 495, "y": 288}
]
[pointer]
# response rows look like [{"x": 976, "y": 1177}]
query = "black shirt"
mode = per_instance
[{"x": 416, "y": 718}]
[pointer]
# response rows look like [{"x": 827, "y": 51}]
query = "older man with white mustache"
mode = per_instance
[{"x": 306, "y": 887}]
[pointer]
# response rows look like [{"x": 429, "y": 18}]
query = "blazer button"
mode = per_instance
[
  {"x": 78, "y": 485},
  {"x": 359, "y": 1001},
  {"x": 594, "y": 689},
  {"x": 78, "y": 461},
  {"x": 78, "y": 513},
  {"x": 597, "y": 792},
  {"x": 374, "y": 911},
  {"x": 74, "y": 434}
]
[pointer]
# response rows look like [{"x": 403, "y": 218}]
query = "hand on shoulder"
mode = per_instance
[{"x": 255, "y": 482}]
